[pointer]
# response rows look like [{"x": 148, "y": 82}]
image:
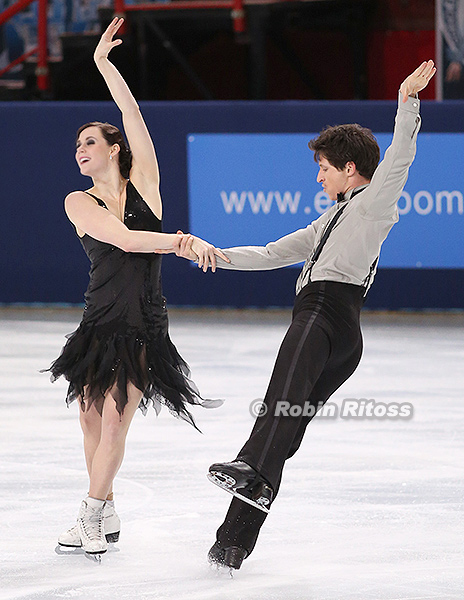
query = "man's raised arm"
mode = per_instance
[{"x": 379, "y": 199}]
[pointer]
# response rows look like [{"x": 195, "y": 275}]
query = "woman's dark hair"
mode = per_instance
[
  {"x": 113, "y": 136},
  {"x": 345, "y": 143}
]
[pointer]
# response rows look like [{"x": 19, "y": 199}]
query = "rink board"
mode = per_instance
[
  {"x": 249, "y": 189},
  {"x": 43, "y": 260}
]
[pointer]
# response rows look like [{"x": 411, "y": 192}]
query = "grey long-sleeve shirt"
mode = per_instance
[{"x": 354, "y": 243}]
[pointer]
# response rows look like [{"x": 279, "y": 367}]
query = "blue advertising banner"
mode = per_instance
[{"x": 250, "y": 189}]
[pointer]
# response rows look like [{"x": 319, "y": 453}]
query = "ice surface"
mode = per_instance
[{"x": 368, "y": 509}]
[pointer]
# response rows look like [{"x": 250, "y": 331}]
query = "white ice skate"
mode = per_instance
[
  {"x": 90, "y": 527},
  {"x": 111, "y": 526}
]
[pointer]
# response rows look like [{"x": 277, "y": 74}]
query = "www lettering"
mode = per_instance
[{"x": 260, "y": 202}]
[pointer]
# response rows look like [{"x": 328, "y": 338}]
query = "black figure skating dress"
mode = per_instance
[{"x": 123, "y": 336}]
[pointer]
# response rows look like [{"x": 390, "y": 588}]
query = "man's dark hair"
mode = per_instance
[{"x": 345, "y": 143}]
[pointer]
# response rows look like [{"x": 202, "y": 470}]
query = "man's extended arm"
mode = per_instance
[{"x": 288, "y": 250}]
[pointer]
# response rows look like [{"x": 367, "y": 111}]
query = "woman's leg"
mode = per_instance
[
  {"x": 104, "y": 442},
  {"x": 90, "y": 421},
  {"x": 106, "y": 456}
]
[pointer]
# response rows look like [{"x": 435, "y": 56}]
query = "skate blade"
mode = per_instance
[
  {"x": 222, "y": 570},
  {"x": 68, "y": 550},
  {"x": 75, "y": 550},
  {"x": 95, "y": 557},
  {"x": 223, "y": 485},
  {"x": 225, "y": 571}
]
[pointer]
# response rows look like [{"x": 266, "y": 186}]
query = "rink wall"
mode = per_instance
[{"x": 43, "y": 262}]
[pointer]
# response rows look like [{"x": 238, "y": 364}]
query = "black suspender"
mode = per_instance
[
  {"x": 317, "y": 251},
  {"x": 367, "y": 282},
  {"x": 328, "y": 230}
]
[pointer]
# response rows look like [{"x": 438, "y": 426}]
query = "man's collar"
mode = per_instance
[{"x": 350, "y": 193}]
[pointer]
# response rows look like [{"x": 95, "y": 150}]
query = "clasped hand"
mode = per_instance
[{"x": 193, "y": 248}]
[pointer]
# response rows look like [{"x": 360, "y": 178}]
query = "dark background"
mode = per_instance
[{"x": 43, "y": 261}]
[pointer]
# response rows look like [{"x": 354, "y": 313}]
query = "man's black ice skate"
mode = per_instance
[
  {"x": 244, "y": 482},
  {"x": 231, "y": 557}
]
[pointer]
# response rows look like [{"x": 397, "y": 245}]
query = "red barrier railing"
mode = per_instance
[
  {"x": 120, "y": 9},
  {"x": 235, "y": 6},
  {"x": 41, "y": 49}
]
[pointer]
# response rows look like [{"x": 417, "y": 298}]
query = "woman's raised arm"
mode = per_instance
[{"x": 144, "y": 171}]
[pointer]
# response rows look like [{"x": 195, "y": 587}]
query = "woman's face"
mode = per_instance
[{"x": 92, "y": 151}]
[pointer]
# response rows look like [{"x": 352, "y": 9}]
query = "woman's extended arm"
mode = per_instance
[
  {"x": 144, "y": 171},
  {"x": 103, "y": 226},
  {"x": 85, "y": 214}
]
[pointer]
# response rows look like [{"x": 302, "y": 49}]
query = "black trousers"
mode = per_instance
[{"x": 320, "y": 351}]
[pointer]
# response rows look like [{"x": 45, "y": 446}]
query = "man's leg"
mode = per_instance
[
  {"x": 241, "y": 526},
  {"x": 302, "y": 358},
  {"x": 300, "y": 361},
  {"x": 243, "y": 522},
  {"x": 332, "y": 378}
]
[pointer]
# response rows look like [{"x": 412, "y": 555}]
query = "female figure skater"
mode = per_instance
[{"x": 121, "y": 356}]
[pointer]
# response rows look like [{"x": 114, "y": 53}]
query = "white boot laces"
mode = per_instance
[{"x": 92, "y": 522}]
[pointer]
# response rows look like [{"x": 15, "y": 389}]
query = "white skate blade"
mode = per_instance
[
  {"x": 94, "y": 556},
  {"x": 235, "y": 493},
  {"x": 224, "y": 571},
  {"x": 68, "y": 550},
  {"x": 74, "y": 551}
]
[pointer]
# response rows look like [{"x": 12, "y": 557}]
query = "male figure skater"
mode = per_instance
[{"x": 323, "y": 345}]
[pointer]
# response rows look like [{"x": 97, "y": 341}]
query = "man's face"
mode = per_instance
[{"x": 333, "y": 181}]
